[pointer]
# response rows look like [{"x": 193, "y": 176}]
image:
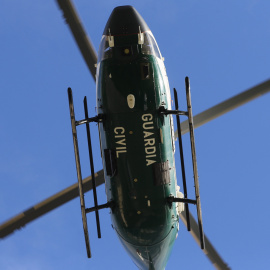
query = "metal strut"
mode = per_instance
[
  {"x": 92, "y": 166},
  {"x": 79, "y": 174},
  {"x": 185, "y": 200},
  {"x": 96, "y": 207},
  {"x": 182, "y": 158},
  {"x": 194, "y": 161}
]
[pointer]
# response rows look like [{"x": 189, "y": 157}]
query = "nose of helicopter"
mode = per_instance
[{"x": 125, "y": 20}]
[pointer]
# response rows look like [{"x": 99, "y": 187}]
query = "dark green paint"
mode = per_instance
[{"x": 144, "y": 222}]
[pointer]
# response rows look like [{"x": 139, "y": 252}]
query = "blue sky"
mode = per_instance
[{"x": 222, "y": 45}]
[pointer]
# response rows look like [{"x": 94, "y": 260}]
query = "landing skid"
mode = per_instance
[
  {"x": 97, "y": 207},
  {"x": 185, "y": 200}
]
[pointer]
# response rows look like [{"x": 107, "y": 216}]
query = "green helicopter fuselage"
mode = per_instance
[{"x": 137, "y": 145}]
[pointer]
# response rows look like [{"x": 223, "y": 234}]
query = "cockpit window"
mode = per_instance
[
  {"x": 150, "y": 46},
  {"x": 125, "y": 49},
  {"x": 105, "y": 51}
]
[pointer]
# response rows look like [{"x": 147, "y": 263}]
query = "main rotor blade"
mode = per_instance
[
  {"x": 209, "y": 250},
  {"x": 47, "y": 205},
  {"x": 83, "y": 41},
  {"x": 226, "y": 106},
  {"x": 71, "y": 193}
]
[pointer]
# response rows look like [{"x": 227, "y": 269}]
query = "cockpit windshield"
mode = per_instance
[
  {"x": 105, "y": 51},
  {"x": 147, "y": 46}
]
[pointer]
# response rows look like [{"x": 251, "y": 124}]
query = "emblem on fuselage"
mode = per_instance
[
  {"x": 119, "y": 135},
  {"x": 149, "y": 139}
]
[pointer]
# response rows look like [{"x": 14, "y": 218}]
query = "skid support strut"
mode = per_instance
[
  {"x": 185, "y": 200},
  {"x": 182, "y": 159},
  {"x": 194, "y": 162},
  {"x": 92, "y": 166},
  {"x": 96, "y": 207}
]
